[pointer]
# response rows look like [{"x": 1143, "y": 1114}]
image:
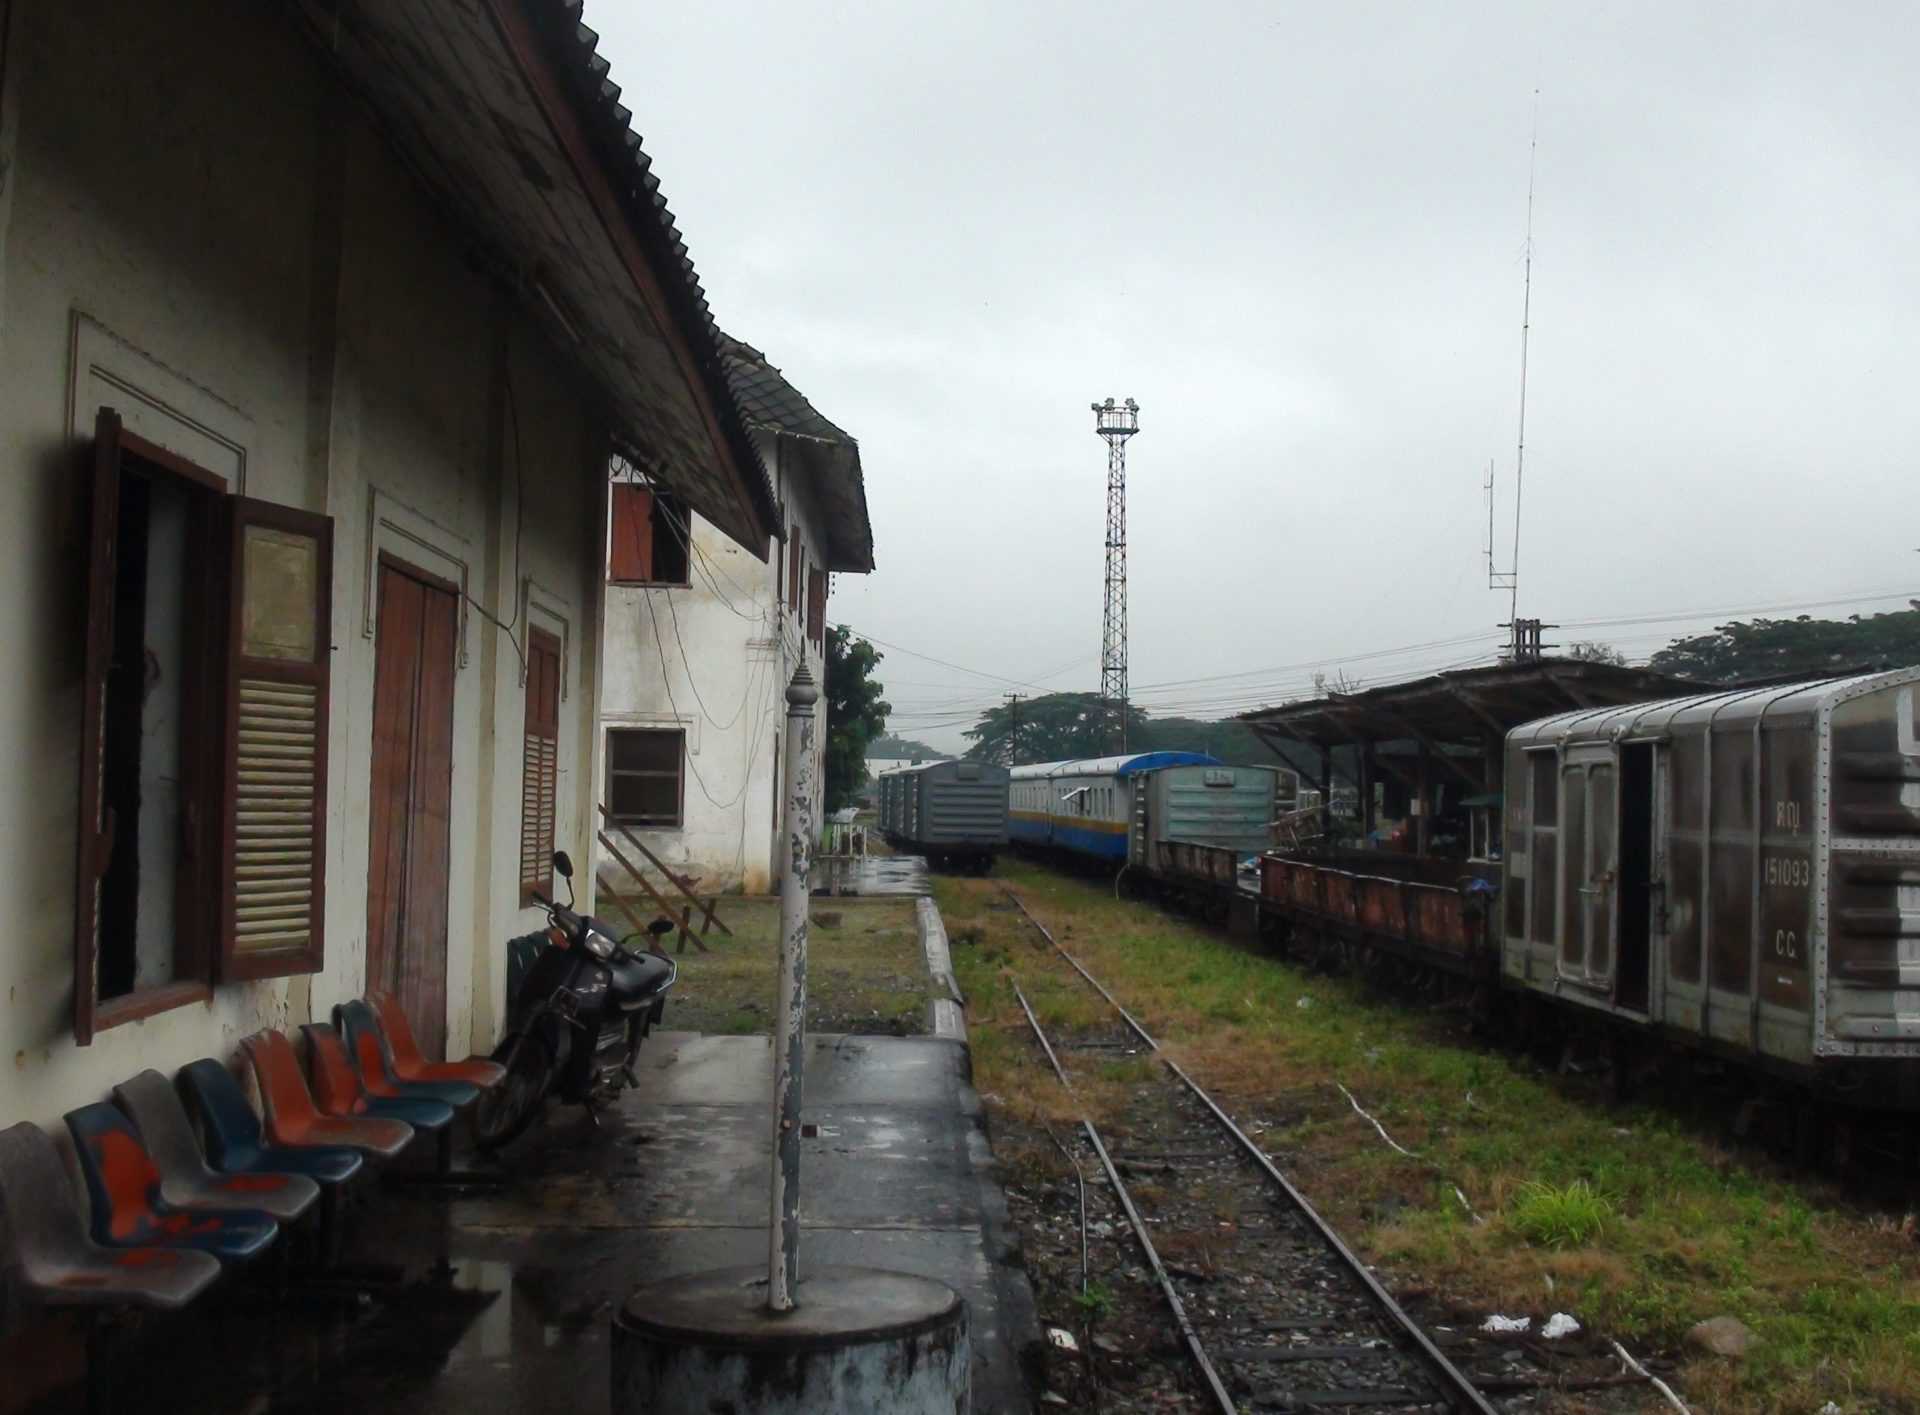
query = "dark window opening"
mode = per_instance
[
  {"x": 1636, "y": 875},
  {"x": 644, "y": 776},
  {"x": 151, "y": 919},
  {"x": 649, "y": 539}
]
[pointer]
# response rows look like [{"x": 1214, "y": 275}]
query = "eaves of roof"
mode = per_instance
[
  {"x": 832, "y": 455},
  {"x": 504, "y": 110}
]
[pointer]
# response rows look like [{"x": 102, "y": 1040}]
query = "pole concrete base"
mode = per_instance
[{"x": 858, "y": 1342}]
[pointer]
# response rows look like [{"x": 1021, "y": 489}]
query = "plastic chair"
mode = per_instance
[
  {"x": 235, "y": 1142},
  {"x": 410, "y": 1065},
  {"x": 124, "y": 1185},
  {"x": 46, "y": 1247},
  {"x": 293, "y": 1121},
  {"x": 186, "y": 1178},
  {"x": 370, "y": 1050},
  {"x": 337, "y": 1088}
]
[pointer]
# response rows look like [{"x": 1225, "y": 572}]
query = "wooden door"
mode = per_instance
[{"x": 409, "y": 798}]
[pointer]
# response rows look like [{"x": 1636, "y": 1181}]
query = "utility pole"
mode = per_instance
[
  {"x": 1115, "y": 424},
  {"x": 1013, "y": 728}
]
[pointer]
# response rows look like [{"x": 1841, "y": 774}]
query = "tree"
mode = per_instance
[
  {"x": 1747, "y": 650},
  {"x": 1053, "y": 728},
  {"x": 889, "y": 745},
  {"x": 1594, "y": 651},
  {"x": 856, "y": 713}
]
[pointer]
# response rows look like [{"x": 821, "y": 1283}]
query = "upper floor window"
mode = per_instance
[{"x": 649, "y": 537}]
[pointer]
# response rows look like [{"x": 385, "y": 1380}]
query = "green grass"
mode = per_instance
[
  {"x": 865, "y": 973},
  {"x": 1565, "y": 1216},
  {"x": 1639, "y": 1221}
]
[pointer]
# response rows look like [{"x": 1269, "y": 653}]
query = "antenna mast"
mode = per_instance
[
  {"x": 1525, "y": 644},
  {"x": 1115, "y": 423}
]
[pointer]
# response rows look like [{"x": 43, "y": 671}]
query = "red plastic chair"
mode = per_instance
[
  {"x": 293, "y": 1119},
  {"x": 410, "y": 1065}
]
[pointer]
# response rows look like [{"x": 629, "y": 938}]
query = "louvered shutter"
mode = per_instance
[
  {"x": 630, "y": 557},
  {"x": 816, "y": 604},
  {"x": 274, "y": 837},
  {"x": 540, "y": 766}
]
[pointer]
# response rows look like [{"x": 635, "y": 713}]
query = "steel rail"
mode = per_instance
[
  {"x": 1461, "y": 1392},
  {"x": 1196, "y": 1350}
]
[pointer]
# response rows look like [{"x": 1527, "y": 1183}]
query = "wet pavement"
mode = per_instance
[
  {"x": 499, "y": 1298},
  {"x": 871, "y": 874}
]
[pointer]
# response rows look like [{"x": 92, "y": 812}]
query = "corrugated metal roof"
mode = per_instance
[
  {"x": 504, "y": 111},
  {"x": 829, "y": 453}
]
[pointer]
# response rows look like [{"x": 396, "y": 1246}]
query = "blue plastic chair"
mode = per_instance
[
  {"x": 123, "y": 1184},
  {"x": 235, "y": 1142},
  {"x": 373, "y": 1055}
]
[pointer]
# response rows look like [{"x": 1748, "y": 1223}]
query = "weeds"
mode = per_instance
[
  {"x": 1570, "y": 1216},
  {"x": 1096, "y": 1300},
  {"x": 1664, "y": 1226}
]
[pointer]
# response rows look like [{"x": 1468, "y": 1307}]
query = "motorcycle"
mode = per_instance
[{"x": 575, "y": 1025}]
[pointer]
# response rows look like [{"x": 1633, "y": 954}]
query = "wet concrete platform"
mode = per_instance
[
  {"x": 871, "y": 875},
  {"x": 499, "y": 1299}
]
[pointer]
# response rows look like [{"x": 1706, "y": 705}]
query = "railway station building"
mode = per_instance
[
  {"x": 702, "y": 636},
  {"x": 320, "y": 327}
]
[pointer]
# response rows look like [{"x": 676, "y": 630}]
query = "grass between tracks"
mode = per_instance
[{"x": 1629, "y": 1217}]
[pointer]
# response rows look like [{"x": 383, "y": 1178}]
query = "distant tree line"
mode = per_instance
[
  {"x": 1065, "y": 726},
  {"x": 1756, "y": 649}
]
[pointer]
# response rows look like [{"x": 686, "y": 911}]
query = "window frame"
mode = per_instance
[
  {"x": 659, "y": 508},
  {"x": 205, "y": 954},
  {"x": 679, "y": 820}
]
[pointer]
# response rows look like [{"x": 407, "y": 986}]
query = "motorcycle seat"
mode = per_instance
[{"x": 634, "y": 979}]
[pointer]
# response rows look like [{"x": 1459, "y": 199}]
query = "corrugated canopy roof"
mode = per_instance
[
  {"x": 1467, "y": 705},
  {"x": 503, "y": 110},
  {"x": 829, "y": 454}
]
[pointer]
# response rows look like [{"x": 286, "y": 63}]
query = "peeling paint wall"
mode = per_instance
[
  {"x": 714, "y": 659},
  {"x": 197, "y": 230}
]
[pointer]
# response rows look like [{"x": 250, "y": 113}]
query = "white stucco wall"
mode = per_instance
[
  {"x": 744, "y": 644},
  {"x": 167, "y": 247}
]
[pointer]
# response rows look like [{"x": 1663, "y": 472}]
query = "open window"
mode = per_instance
[
  {"x": 650, "y": 537},
  {"x": 203, "y": 728},
  {"x": 644, "y": 776}
]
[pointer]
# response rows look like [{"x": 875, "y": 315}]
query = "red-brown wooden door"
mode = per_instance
[{"x": 409, "y": 798}]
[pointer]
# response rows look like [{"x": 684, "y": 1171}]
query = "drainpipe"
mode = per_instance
[{"x": 790, "y": 1019}]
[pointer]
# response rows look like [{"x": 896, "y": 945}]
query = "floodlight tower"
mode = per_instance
[{"x": 1115, "y": 423}]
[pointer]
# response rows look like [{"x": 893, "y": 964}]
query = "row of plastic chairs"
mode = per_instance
[{"x": 163, "y": 1212}]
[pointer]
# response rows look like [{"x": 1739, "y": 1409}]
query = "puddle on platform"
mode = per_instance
[{"x": 874, "y": 874}]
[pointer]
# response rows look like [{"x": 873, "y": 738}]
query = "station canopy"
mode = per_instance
[{"x": 1469, "y": 708}]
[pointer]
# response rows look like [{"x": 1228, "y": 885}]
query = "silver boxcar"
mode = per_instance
[
  {"x": 1227, "y": 807},
  {"x": 1741, "y": 868},
  {"x": 953, "y": 812}
]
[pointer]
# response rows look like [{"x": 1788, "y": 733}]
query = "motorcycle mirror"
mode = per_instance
[{"x": 563, "y": 864}]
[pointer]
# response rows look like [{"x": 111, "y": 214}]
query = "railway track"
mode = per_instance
[{"x": 1327, "y": 1334}]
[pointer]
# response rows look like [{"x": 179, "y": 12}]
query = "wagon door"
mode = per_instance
[{"x": 1589, "y": 875}]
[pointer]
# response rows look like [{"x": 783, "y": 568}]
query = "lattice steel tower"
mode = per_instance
[{"x": 1116, "y": 423}]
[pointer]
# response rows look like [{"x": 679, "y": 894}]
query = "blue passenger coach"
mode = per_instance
[{"x": 1084, "y": 807}]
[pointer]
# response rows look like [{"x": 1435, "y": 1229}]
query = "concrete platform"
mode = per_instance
[{"x": 501, "y": 1299}]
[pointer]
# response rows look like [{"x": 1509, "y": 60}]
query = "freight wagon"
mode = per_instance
[
  {"x": 954, "y": 813},
  {"x": 1734, "y": 873}
]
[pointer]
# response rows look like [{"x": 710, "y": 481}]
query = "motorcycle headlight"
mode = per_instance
[{"x": 599, "y": 945}]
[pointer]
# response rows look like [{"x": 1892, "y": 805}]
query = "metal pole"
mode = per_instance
[{"x": 790, "y": 1021}]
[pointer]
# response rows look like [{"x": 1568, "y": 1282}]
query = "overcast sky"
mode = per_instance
[{"x": 1295, "y": 233}]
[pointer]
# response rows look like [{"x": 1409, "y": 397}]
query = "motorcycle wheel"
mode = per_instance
[{"x": 506, "y": 1108}]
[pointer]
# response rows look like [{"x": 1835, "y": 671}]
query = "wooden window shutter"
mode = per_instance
[
  {"x": 96, "y": 833},
  {"x": 540, "y": 766},
  {"x": 630, "y": 559},
  {"x": 793, "y": 570},
  {"x": 816, "y": 605},
  {"x": 274, "y": 827}
]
